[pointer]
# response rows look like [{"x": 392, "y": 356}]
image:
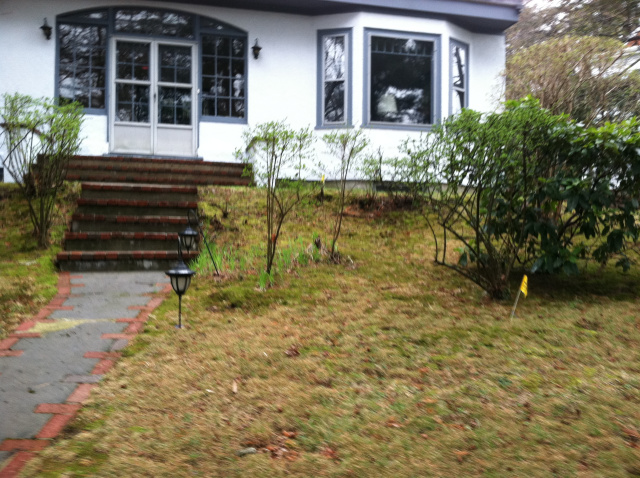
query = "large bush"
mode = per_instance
[
  {"x": 38, "y": 137},
  {"x": 526, "y": 188}
]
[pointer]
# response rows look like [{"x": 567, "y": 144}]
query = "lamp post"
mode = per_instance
[
  {"x": 180, "y": 277},
  {"x": 188, "y": 237}
]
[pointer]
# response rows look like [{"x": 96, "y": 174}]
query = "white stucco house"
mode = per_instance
[{"x": 183, "y": 79}]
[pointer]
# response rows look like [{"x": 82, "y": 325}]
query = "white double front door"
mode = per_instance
[{"x": 153, "y": 97}]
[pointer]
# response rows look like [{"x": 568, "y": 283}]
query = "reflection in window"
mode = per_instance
[
  {"x": 175, "y": 64},
  {"x": 132, "y": 103},
  {"x": 334, "y": 63},
  {"x": 459, "y": 77},
  {"x": 132, "y": 61},
  {"x": 223, "y": 76},
  {"x": 174, "y": 105},
  {"x": 154, "y": 22},
  {"x": 82, "y": 64},
  {"x": 401, "y": 81}
]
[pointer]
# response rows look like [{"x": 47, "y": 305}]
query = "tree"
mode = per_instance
[
  {"x": 277, "y": 155},
  {"x": 574, "y": 57},
  {"x": 612, "y": 19},
  {"x": 588, "y": 78},
  {"x": 38, "y": 138}
]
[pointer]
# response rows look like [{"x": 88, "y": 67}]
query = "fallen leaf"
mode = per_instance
[
  {"x": 234, "y": 387},
  {"x": 292, "y": 351},
  {"x": 461, "y": 454},
  {"x": 289, "y": 434}
]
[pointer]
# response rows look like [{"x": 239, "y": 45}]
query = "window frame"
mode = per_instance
[
  {"x": 77, "y": 18},
  {"x": 436, "y": 92},
  {"x": 347, "y": 33},
  {"x": 224, "y": 119},
  {"x": 77, "y": 22},
  {"x": 453, "y": 43}
]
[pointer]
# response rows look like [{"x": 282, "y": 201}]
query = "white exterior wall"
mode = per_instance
[{"x": 282, "y": 83}]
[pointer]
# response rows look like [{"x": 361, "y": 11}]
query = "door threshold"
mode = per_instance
[{"x": 152, "y": 156}]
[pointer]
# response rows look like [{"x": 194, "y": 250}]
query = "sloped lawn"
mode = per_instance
[
  {"x": 28, "y": 277},
  {"x": 382, "y": 366}
]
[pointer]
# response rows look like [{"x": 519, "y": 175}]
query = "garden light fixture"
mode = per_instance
[
  {"x": 256, "y": 50},
  {"x": 188, "y": 237},
  {"x": 46, "y": 29},
  {"x": 180, "y": 277}
]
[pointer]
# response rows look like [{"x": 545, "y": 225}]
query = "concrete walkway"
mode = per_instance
[{"x": 49, "y": 365}]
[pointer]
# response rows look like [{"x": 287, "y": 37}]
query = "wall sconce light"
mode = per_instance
[
  {"x": 256, "y": 50},
  {"x": 46, "y": 29}
]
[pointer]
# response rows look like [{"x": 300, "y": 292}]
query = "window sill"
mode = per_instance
[
  {"x": 223, "y": 119},
  {"x": 398, "y": 126},
  {"x": 334, "y": 127}
]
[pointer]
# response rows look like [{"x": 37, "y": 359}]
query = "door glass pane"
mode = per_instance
[
  {"x": 132, "y": 103},
  {"x": 175, "y": 64},
  {"x": 132, "y": 61},
  {"x": 174, "y": 105}
]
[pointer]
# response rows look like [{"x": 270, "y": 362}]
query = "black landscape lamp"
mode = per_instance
[
  {"x": 180, "y": 277},
  {"x": 189, "y": 235}
]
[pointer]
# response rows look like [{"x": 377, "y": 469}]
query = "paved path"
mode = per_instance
[{"x": 49, "y": 365}]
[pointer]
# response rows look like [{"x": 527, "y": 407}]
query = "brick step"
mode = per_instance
[
  {"x": 122, "y": 223},
  {"x": 121, "y": 241},
  {"x": 120, "y": 260},
  {"x": 220, "y": 169},
  {"x": 157, "y": 161},
  {"x": 144, "y": 192},
  {"x": 156, "y": 178},
  {"x": 134, "y": 207}
]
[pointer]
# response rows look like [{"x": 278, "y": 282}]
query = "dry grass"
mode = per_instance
[
  {"x": 385, "y": 367},
  {"x": 27, "y": 275}
]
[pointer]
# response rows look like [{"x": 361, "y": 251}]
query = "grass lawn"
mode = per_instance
[
  {"x": 382, "y": 366},
  {"x": 28, "y": 277}
]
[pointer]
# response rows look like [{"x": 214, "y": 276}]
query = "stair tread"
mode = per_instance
[
  {"x": 105, "y": 236},
  {"x": 136, "y": 203},
  {"x": 117, "y": 255},
  {"x": 138, "y": 187},
  {"x": 129, "y": 218},
  {"x": 143, "y": 159}
]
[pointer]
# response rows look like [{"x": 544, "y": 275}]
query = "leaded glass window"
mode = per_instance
[
  {"x": 335, "y": 78},
  {"x": 223, "y": 76},
  {"x": 154, "y": 22},
  {"x": 459, "y": 76},
  {"x": 401, "y": 88},
  {"x": 82, "y": 64}
]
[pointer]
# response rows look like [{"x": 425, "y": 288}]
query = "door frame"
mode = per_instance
[{"x": 154, "y": 80}]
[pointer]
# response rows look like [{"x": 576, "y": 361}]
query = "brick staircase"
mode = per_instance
[{"x": 131, "y": 210}]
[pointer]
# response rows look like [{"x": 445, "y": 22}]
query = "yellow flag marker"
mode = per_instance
[
  {"x": 323, "y": 179},
  {"x": 524, "y": 289}
]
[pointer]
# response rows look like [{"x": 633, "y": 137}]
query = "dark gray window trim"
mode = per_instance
[
  {"x": 75, "y": 18},
  {"x": 465, "y": 46},
  {"x": 224, "y": 119},
  {"x": 436, "y": 86},
  {"x": 320, "y": 124}
]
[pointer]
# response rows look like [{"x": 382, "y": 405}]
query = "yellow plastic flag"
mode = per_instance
[
  {"x": 524, "y": 287},
  {"x": 323, "y": 179}
]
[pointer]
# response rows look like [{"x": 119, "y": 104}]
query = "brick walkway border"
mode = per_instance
[{"x": 63, "y": 413}]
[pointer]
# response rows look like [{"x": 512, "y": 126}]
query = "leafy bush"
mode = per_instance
[
  {"x": 526, "y": 188},
  {"x": 38, "y": 138}
]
